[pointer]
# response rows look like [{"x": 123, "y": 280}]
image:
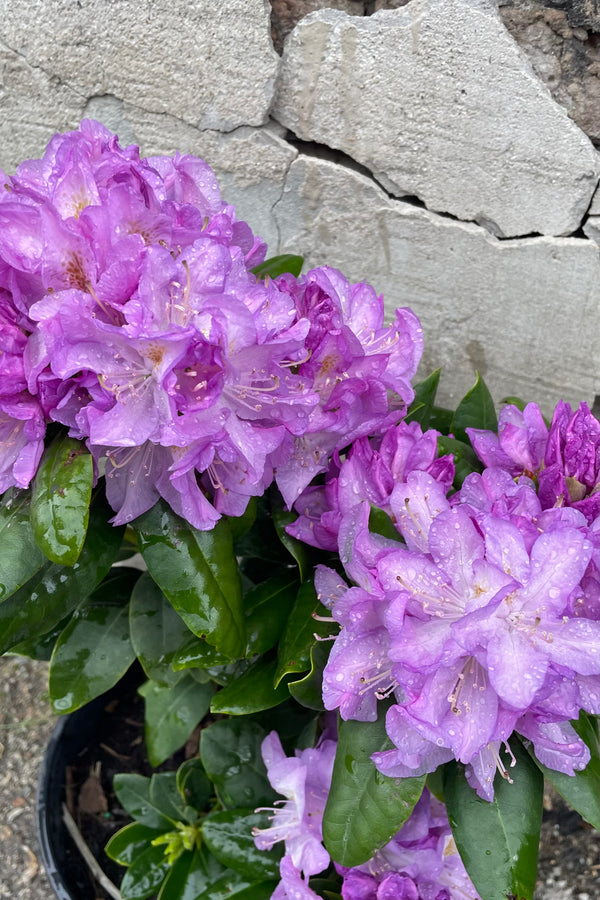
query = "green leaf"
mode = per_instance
[
  {"x": 498, "y": 841},
  {"x": 475, "y": 410},
  {"x": 94, "y": 650},
  {"x": 268, "y": 606},
  {"x": 465, "y": 459},
  {"x": 195, "y": 653},
  {"x": 297, "y": 550},
  {"x": 228, "y": 835},
  {"x": 421, "y": 407},
  {"x": 278, "y": 265},
  {"x": 582, "y": 790},
  {"x": 42, "y": 646},
  {"x": 133, "y": 792},
  {"x": 232, "y": 884},
  {"x": 241, "y": 525},
  {"x": 157, "y": 631},
  {"x": 165, "y": 796},
  {"x": 60, "y": 500},
  {"x": 145, "y": 875},
  {"x": 514, "y": 401},
  {"x": 172, "y": 713},
  {"x": 299, "y": 633},
  {"x": 365, "y": 809},
  {"x": 55, "y": 591},
  {"x": 381, "y": 523},
  {"x": 230, "y": 752},
  {"x": 20, "y": 556},
  {"x": 129, "y": 842},
  {"x": 198, "y": 572},
  {"x": 251, "y": 692},
  {"x": 190, "y": 875},
  {"x": 309, "y": 690},
  {"x": 193, "y": 784}
]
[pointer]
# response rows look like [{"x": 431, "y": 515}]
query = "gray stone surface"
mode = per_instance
[
  {"x": 525, "y": 313},
  {"x": 209, "y": 64},
  {"x": 438, "y": 101}
]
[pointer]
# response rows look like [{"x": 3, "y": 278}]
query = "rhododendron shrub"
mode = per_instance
[{"x": 392, "y": 608}]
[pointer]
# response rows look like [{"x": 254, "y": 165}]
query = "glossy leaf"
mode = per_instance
[
  {"x": 145, "y": 875},
  {"x": 381, "y": 523},
  {"x": 195, "y": 653},
  {"x": 172, "y": 713},
  {"x": 297, "y": 550},
  {"x": 232, "y": 884},
  {"x": 198, "y": 573},
  {"x": 94, "y": 650},
  {"x": 582, "y": 790},
  {"x": 278, "y": 265},
  {"x": 54, "y": 591},
  {"x": 60, "y": 500},
  {"x": 157, "y": 631},
  {"x": 165, "y": 796},
  {"x": 308, "y": 690},
  {"x": 251, "y": 692},
  {"x": 299, "y": 634},
  {"x": 268, "y": 606},
  {"x": 365, "y": 809},
  {"x": 475, "y": 410},
  {"x": 129, "y": 842},
  {"x": 421, "y": 407},
  {"x": 133, "y": 792},
  {"x": 190, "y": 875},
  {"x": 228, "y": 835},
  {"x": 193, "y": 784},
  {"x": 498, "y": 841},
  {"x": 20, "y": 556},
  {"x": 230, "y": 752}
]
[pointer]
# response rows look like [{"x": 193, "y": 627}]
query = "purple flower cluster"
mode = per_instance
[
  {"x": 129, "y": 313},
  {"x": 419, "y": 863},
  {"x": 482, "y": 619}
]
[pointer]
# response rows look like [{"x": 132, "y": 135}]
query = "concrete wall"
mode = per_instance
[{"x": 417, "y": 147}]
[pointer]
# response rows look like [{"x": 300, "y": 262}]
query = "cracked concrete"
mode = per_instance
[{"x": 483, "y": 157}]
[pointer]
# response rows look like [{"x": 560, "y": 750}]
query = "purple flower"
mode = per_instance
[{"x": 520, "y": 443}]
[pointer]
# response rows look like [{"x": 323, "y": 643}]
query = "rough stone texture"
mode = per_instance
[
  {"x": 592, "y": 229},
  {"x": 437, "y": 100},
  {"x": 285, "y": 14},
  {"x": 565, "y": 57},
  {"x": 210, "y": 64},
  {"x": 524, "y": 313}
]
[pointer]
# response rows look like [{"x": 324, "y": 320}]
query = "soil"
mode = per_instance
[{"x": 569, "y": 866}]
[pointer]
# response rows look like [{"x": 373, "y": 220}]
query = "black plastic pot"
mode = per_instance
[{"x": 72, "y": 733}]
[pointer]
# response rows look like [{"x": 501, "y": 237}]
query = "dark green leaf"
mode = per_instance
[
  {"x": 20, "y": 556},
  {"x": 232, "y": 884},
  {"x": 195, "y": 653},
  {"x": 421, "y": 407},
  {"x": 145, "y": 875},
  {"x": 198, "y": 572},
  {"x": 475, "y": 410},
  {"x": 582, "y": 790},
  {"x": 94, "y": 650},
  {"x": 228, "y": 835},
  {"x": 498, "y": 841},
  {"x": 278, "y": 265},
  {"x": 230, "y": 751},
  {"x": 165, "y": 796},
  {"x": 365, "y": 809},
  {"x": 251, "y": 692},
  {"x": 55, "y": 591},
  {"x": 465, "y": 459},
  {"x": 268, "y": 606},
  {"x": 381, "y": 523},
  {"x": 296, "y": 549},
  {"x": 308, "y": 690},
  {"x": 172, "y": 713},
  {"x": 299, "y": 633},
  {"x": 190, "y": 875},
  {"x": 129, "y": 842},
  {"x": 193, "y": 783},
  {"x": 42, "y": 646},
  {"x": 133, "y": 792},
  {"x": 60, "y": 500},
  {"x": 157, "y": 631},
  {"x": 241, "y": 525}
]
